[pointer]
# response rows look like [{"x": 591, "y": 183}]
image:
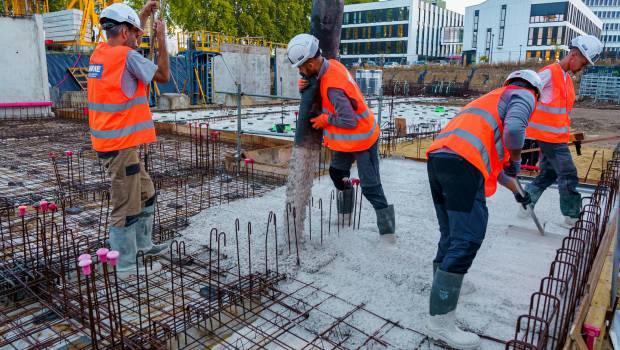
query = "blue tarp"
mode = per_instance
[
  {"x": 57, "y": 70},
  {"x": 59, "y": 76}
]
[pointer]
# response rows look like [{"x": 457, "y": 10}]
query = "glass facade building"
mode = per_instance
[
  {"x": 504, "y": 30},
  {"x": 401, "y": 31}
]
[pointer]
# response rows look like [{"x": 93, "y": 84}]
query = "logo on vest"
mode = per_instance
[{"x": 95, "y": 71}]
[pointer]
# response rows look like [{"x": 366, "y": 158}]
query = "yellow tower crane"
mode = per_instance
[{"x": 16, "y": 8}]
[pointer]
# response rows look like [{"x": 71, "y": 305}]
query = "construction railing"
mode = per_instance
[
  {"x": 206, "y": 41},
  {"x": 554, "y": 306}
]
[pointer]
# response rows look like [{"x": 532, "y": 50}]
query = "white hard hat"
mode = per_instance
[
  {"x": 589, "y": 46},
  {"x": 121, "y": 13},
  {"x": 528, "y": 75},
  {"x": 302, "y": 48}
]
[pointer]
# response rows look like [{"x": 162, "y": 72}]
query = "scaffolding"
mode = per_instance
[{"x": 602, "y": 84}]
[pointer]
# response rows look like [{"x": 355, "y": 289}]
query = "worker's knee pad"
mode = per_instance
[{"x": 337, "y": 175}]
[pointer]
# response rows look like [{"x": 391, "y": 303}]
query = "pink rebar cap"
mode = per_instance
[
  {"x": 102, "y": 253},
  {"x": 69, "y": 153},
  {"x": 22, "y": 210},
  {"x": 53, "y": 206},
  {"x": 85, "y": 265},
  {"x": 112, "y": 256},
  {"x": 44, "y": 205},
  {"x": 84, "y": 257},
  {"x": 248, "y": 161},
  {"x": 355, "y": 182}
]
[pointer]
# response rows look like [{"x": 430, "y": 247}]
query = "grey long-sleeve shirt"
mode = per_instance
[
  {"x": 515, "y": 108},
  {"x": 345, "y": 116}
]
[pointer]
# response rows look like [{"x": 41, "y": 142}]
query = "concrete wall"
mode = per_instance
[
  {"x": 249, "y": 65},
  {"x": 23, "y": 72},
  {"x": 286, "y": 75}
]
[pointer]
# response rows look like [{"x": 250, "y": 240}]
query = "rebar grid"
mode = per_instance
[{"x": 553, "y": 306}]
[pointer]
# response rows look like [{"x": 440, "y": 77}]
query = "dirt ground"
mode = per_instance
[{"x": 597, "y": 123}]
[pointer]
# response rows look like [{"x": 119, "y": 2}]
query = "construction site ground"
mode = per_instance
[{"x": 396, "y": 282}]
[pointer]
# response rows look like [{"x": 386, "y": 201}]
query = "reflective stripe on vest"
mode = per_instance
[
  {"x": 499, "y": 145},
  {"x": 547, "y": 128},
  {"x": 350, "y": 137},
  {"x": 362, "y": 115},
  {"x": 552, "y": 110},
  {"x": 126, "y": 131},
  {"x": 471, "y": 138},
  {"x": 117, "y": 107}
]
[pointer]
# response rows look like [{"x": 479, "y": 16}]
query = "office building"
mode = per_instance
[
  {"x": 402, "y": 31},
  {"x": 609, "y": 12},
  {"x": 514, "y": 30}
]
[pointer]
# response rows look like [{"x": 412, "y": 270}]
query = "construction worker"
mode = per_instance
[
  {"x": 120, "y": 121},
  {"x": 550, "y": 126},
  {"x": 478, "y": 148},
  {"x": 349, "y": 130}
]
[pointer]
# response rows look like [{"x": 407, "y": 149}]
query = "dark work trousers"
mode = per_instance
[
  {"x": 557, "y": 164},
  {"x": 368, "y": 170},
  {"x": 457, "y": 188}
]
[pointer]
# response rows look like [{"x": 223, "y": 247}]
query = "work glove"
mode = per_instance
[
  {"x": 302, "y": 84},
  {"x": 320, "y": 122},
  {"x": 524, "y": 200},
  {"x": 512, "y": 168}
]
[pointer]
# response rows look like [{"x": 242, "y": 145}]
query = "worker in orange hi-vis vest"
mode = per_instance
[
  {"x": 350, "y": 130},
  {"x": 120, "y": 121},
  {"x": 550, "y": 126},
  {"x": 478, "y": 148}
]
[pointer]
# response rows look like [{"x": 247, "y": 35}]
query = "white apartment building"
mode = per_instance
[
  {"x": 514, "y": 30},
  {"x": 402, "y": 31}
]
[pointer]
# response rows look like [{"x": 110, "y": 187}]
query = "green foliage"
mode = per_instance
[
  {"x": 275, "y": 20},
  {"x": 351, "y": 2}
]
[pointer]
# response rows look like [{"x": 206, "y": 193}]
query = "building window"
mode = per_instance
[
  {"x": 474, "y": 41},
  {"x": 375, "y": 32},
  {"x": 374, "y": 16},
  {"x": 502, "y": 25},
  {"x": 488, "y": 43},
  {"x": 550, "y": 12}
]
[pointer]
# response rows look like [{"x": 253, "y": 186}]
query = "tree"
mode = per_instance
[{"x": 275, "y": 20}]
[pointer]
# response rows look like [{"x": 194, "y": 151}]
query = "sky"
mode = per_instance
[{"x": 459, "y": 5}]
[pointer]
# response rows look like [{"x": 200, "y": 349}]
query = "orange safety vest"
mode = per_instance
[
  {"x": 551, "y": 121},
  {"x": 366, "y": 133},
  {"x": 477, "y": 134},
  {"x": 116, "y": 121}
]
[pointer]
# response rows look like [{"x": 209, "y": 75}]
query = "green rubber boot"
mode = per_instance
[
  {"x": 442, "y": 323},
  {"x": 144, "y": 233}
]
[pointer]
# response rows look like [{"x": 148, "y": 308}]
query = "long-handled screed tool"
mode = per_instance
[{"x": 530, "y": 209}]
